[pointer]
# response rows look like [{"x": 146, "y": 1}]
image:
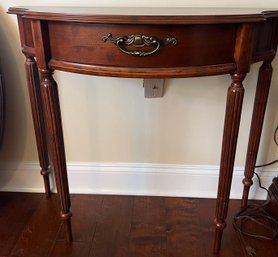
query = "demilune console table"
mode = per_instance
[{"x": 147, "y": 43}]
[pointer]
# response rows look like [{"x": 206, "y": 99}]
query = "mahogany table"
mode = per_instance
[{"x": 147, "y": 43}]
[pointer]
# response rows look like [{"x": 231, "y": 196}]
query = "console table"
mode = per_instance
[{"x": 147, "y": 43}]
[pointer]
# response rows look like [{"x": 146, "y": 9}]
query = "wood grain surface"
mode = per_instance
[{"x": 125, "y": 226}]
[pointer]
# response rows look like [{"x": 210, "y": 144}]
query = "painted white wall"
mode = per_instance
[{"x": 108, "y": 120}]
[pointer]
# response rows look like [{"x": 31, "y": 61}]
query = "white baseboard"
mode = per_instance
[{"x": 133, "y": 179}]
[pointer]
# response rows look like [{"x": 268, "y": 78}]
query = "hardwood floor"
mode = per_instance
[{"x": 117, "y": 226}]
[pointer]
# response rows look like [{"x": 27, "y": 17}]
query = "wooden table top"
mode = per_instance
[{"x": 146, "y": 15}]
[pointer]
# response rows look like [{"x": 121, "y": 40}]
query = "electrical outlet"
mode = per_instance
[{"x": 153, "y": 88}]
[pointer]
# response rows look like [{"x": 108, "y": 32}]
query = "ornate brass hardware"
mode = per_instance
[{"x": 138, "y": 41}]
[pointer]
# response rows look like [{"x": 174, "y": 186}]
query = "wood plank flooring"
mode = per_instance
[{"x": 117, "y": 226}]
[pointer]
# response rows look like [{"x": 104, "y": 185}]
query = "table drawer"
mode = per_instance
[{"x": 195, "y": 46}]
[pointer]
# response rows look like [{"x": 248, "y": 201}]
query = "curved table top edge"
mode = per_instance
[{"x": 146, "y": 15}]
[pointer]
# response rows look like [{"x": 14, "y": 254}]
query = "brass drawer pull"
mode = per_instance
[{"x": 138, "y": 41}]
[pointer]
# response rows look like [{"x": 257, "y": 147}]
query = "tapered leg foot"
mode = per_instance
[
  {"x": 66, "y": 217},
  {"x": 45, "y": 175},
  {"x": 218, "y": 236}
]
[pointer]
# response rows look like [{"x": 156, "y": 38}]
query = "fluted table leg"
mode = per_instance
[
  {"x": 33, "y": 82},
  {"x": 230, "y": 135},
  {"x": 56, "y": 143},
  {"x": 260, "y": 103}
]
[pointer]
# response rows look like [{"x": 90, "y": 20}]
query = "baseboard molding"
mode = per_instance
[{"x": 133, "y": 179}]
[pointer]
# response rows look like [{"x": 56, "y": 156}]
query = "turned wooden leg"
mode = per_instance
[
  {"x": 33, "y": 82},
  {"x": 230, "y": 135},
  {"x": 56, "y": 143},
  {"x": 260, "y": 103}
]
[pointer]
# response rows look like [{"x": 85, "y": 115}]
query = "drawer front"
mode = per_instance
[{"x": 196, "y": 45}]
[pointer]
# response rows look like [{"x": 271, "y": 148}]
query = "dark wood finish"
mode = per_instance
[
  {"x": 148, "y": 15},
  {"x": 273, "y": 189},
  {"x": 209, "y": 42},
  {"x": 273, "y": 198},
  {"x": 33, "y": 82},
  {"x": 260, "y": 103},
  {"x": 55, "y": 134},
  {"x": 38, "y": 237},
  {"x": 233, "y": 113},
  {"x": 261, "y": 96},
  {"x": 195, "y": 46},
  {"x": 119, "y": 226},
  {"x": 2, "y": 110},
  {"x": 231, "y": 126},
  {"x": 15, "y": 215},
  {"x": 39, "y": 124},
  {"x": 264, "y": 40},
  {"x": 53, "y": 121}
]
